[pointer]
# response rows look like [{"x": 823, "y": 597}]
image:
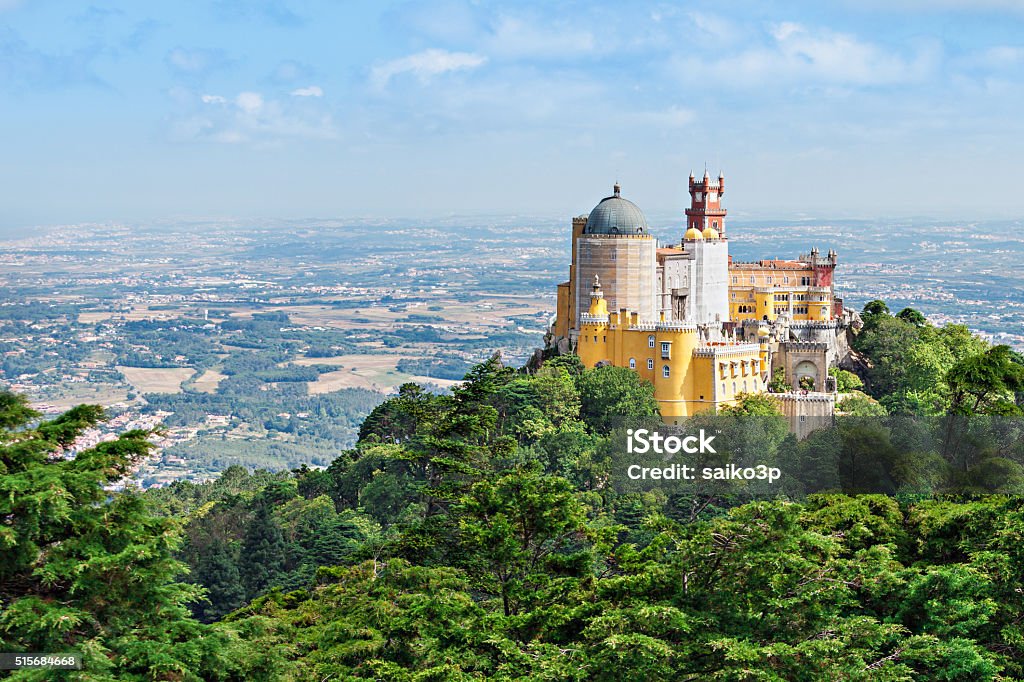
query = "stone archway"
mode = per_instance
[{"x": 806, "y": 370}]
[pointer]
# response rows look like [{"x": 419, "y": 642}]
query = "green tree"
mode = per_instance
[
  {"x": 263, "y": 556},
  {"x": 89, "y": 570},
  {"x": 516, "y": 529},
  {"x": 986, "y": 383},
  {"x": 846, "y": 382},
  {"x": 753, "y": 405},
  {"x": 218, "y": 573},
  {"x": 778, "y": 383},
  {"x": 611, "y": 396},
  {"x": 887, "y": 343},
  {"x": 874, "y": 311},
  {"x": 858, "y": 404},
  {"x": 912, "y": 316}
]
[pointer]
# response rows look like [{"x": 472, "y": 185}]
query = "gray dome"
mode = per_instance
[{"x": 615, "y": 215}]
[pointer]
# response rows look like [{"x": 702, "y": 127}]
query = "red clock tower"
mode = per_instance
[{"x": 706, "y": 204}]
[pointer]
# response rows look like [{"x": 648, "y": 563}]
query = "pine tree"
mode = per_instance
[
  {"x": 88, "y": 570},
  {"x": 218, "y": 573},
  {"x": 263, "y": 553}
]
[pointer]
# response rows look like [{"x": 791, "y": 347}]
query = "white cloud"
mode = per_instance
[
  {"x": 251, "y": 117},
  {"x": 714, "y": 26},
  {"x": 311, "y": 91},
  {"x": 514, "y": 37},
  {"x": 249, "y": 102},
  {"x": 425, "y": 65},
  {"x": 798, "y": 55}
]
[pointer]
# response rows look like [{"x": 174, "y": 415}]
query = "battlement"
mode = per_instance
[
  {"x": 810, "y": 397},
  {"x": 804, "y": 346},
  {"x": 587, "y": 318},
  {"x": 620, "y": 235},
  {"x": 814, "y": 324},
  {"x": 662, "y": 327},
  {"x": 707, "y": 183},
  {"x": 723, "y": 350}
]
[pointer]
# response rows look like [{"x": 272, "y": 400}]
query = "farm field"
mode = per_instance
[
  {"x": 208, "y": 381},
  {"x": 375, "y": 372},
  {"x": 156, "y": 379}
]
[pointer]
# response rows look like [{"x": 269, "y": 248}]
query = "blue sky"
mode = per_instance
[{"x": 135, "y": 111}]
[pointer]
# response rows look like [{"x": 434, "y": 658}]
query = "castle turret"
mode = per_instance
[{"x": 598, "y": 306}]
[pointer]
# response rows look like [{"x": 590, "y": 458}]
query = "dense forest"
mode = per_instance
[{"x": 478, "y": 535}]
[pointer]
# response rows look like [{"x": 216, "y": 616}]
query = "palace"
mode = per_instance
[{"x": 700, "y": 327}]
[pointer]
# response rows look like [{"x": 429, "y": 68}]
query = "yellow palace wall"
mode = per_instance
[
  {"x": 746, "y": 303},
  {"x": 699, "y": 378}
]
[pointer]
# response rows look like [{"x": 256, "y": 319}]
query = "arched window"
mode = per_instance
[
  {"x": 666, "y": 371},
  {"x": 650, "y": 363},
  {"x": 650, "y": 341},
  {"x": 632, "y": 363},
  {"x": 734, "y": 387}
]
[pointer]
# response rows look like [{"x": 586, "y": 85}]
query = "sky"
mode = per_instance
[{"x": 292, "y": 109}]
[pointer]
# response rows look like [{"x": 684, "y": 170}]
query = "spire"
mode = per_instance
[{"x": 616, "y": 189}]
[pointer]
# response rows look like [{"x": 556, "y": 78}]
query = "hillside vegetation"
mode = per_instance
[{"x": 476, "y": 536}]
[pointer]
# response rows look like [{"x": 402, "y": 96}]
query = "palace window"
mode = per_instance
[
  {"x": 666, "y": 371},
  {"x": 734, "y": 387},
  {"x": 632, "y": 363},
  {"x": 735, "y": 280},
  {"x": 666, "y": 350},
  {"x": 650, "y": 341},
  {"x": 650, "y": 363}
]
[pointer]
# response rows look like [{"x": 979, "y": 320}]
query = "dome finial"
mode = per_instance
[{"x": 617, "y": 189}]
